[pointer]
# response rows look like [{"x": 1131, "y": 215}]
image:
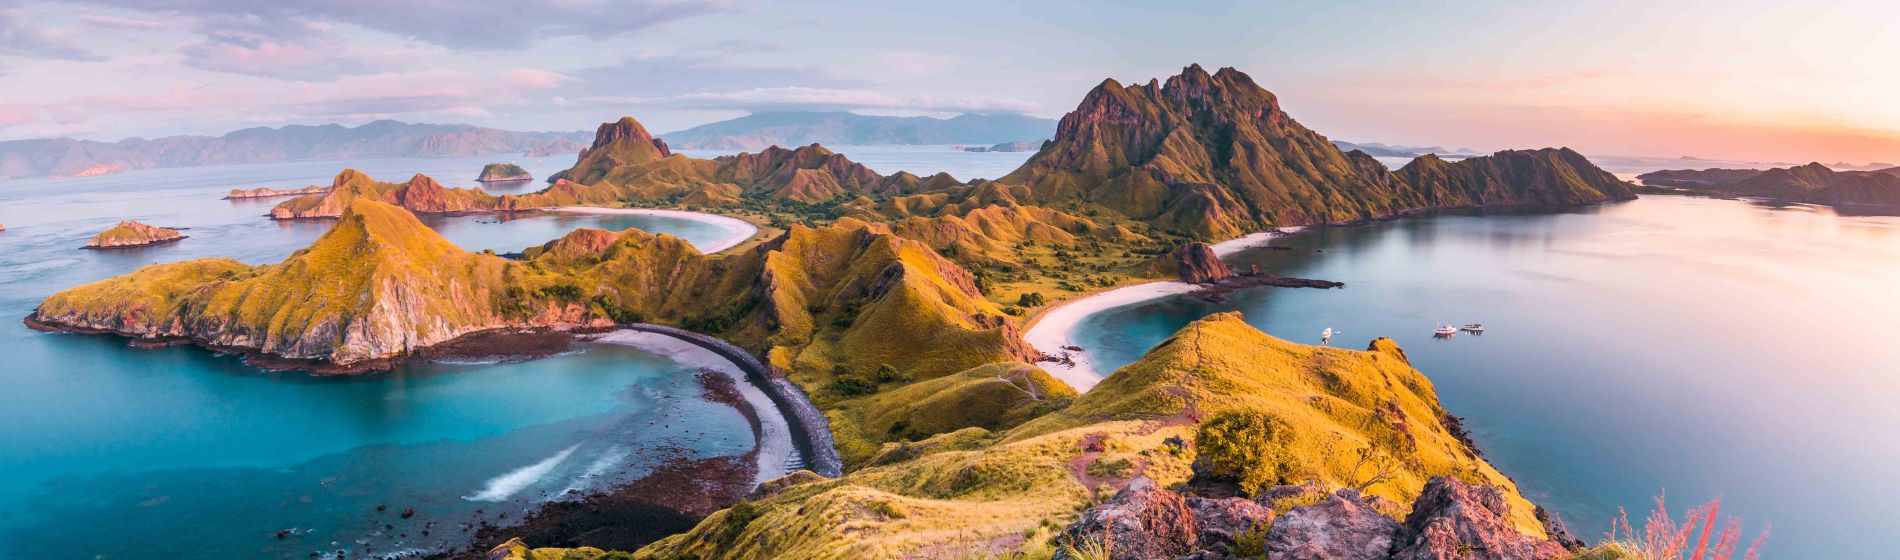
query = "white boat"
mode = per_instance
[
  {"x": 1446, "y": 329},
  {"x": 1326, "y": 334},
  {"x": 1474, "y": 328}
]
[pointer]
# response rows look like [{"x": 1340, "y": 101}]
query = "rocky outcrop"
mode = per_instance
[
  {"x": 1454, "y": 520},
  {"x": 1342, "y": 527},
  {"x": 130, "y": 233},
  {"x": 618, "y": 143},
  {"x": 1141, "y": 522},
  {"x": 1194, "y": 263},
  {"x": 1450, "y": 520},
  {"x": 1220, "y": 522},
  {"x": 498, "y": 172}
]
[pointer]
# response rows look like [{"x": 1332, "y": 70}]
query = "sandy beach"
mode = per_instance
[
  {"x": 1053, "y": 332},
  {"x": 737, "y": 230}
]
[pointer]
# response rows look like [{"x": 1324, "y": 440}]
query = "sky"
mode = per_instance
[{"x": 1739, "y": 79}]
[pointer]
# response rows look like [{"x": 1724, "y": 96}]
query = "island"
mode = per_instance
[
  {"x": 500, "y": 172},
  {"x": 130, "y": 233},
  {"x": 897, "y": 304},
  {"x": 1813, "y": 183},
  {"x": 267, "y": 192},
  {"x": 1018, "y": 146}
]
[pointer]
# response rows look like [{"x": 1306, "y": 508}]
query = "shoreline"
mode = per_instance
[
  {"x": 1052, "y": 332},
  {"x": 738, "y": 231}
]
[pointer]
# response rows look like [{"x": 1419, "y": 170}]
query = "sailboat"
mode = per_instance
[{"x": 1326, "y": 335}]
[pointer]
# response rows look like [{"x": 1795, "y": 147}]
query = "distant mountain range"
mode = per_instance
[
  {"x": 1376, "y": 149},
  {"x": 839, "y": 128},
  {"x": 69, "y": 157}
]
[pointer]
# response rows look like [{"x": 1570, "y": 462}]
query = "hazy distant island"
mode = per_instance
[
  {"x": 267, "y": 192},
  {"x": 1812, "y": 183},
  {"x": 762, "y": 130},
  {"x": 66, "y": 157},
  {"x": 499, "y": 172},
  {"x": 1017, "y": 146},
  {"x": 1376, "y": 149}
]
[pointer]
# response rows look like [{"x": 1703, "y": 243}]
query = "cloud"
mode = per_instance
[
  {"x": 310, "y": 52},
  {"x": 708, "y": 68},
  {"x": 477, "y": 24},
  {"x": 19, "y": 36},
  {"x": 822, "y": 99},
  {"x": 116, "y": 22}
]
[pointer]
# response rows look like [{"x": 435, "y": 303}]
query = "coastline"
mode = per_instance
[
  {"x": 737, "y": 230},
  {"x": 1053, "y": 331}
]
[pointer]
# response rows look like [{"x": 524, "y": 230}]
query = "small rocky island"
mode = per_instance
[
  {"x": 130, "y": 233},
  {"x": 498, "y": 172}
]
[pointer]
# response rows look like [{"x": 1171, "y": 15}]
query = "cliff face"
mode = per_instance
[
  {"x": 130, "y": 233},
  {"x": 1216, "y": 156}
]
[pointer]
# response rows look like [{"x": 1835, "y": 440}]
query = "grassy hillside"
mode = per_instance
[{"x": 1003, "y": 489}]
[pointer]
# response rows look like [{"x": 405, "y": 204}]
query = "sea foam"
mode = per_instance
[{"x": 501, "y": 487}]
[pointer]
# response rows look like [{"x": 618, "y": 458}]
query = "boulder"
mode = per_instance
[
  {"x": 1454, "y": 520},
  {"x": 1217, "y": 522},
  {"x": 1343, "y": 527},
  {"x": 1141, "y": 522}
]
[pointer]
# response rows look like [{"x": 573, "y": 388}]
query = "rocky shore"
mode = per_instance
[{"x": 811, "y": 432}]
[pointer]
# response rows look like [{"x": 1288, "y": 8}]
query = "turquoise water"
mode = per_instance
[
  {"x": 1706, "y": 347},
  {"x": 110, "y": 451}
]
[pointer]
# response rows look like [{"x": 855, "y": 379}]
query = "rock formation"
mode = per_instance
[
  {"x": 420, "y": 194},
  {"x": 1194, "y": 263},
  {"x": 1698, "y": 180},
  {"x": 130, "y": 233},
  {"x": 498, "y": 172}
]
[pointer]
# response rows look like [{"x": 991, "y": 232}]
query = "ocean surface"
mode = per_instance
[
  {"x": 115, "y": 452},
  {"x": 1708, "y": 348}
]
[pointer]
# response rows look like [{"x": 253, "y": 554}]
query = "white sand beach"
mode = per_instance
[
  {"x": 775, "y": 437},
  {"x": 737, "y": 230},
  {"x": 1052, "y": 333}
]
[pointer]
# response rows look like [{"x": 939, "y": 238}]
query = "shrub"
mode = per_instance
[
  {"x": 1252, "y": 543},
  {"x": 1251, "y": 448},
  {"x": 1031, "y": 299},
  {"x": 1661, "y": 538}
]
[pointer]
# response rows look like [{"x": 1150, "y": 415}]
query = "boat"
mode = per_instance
[
  {"x": 1473, "y": 328},
  {"x": 1326, "y": 334},
  {"x": 1445, "y": 330}
]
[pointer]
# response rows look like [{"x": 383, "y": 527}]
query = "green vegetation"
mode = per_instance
[
  {"x": 1248, "y": 447},
  {"x": 504, "y": 172}
]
